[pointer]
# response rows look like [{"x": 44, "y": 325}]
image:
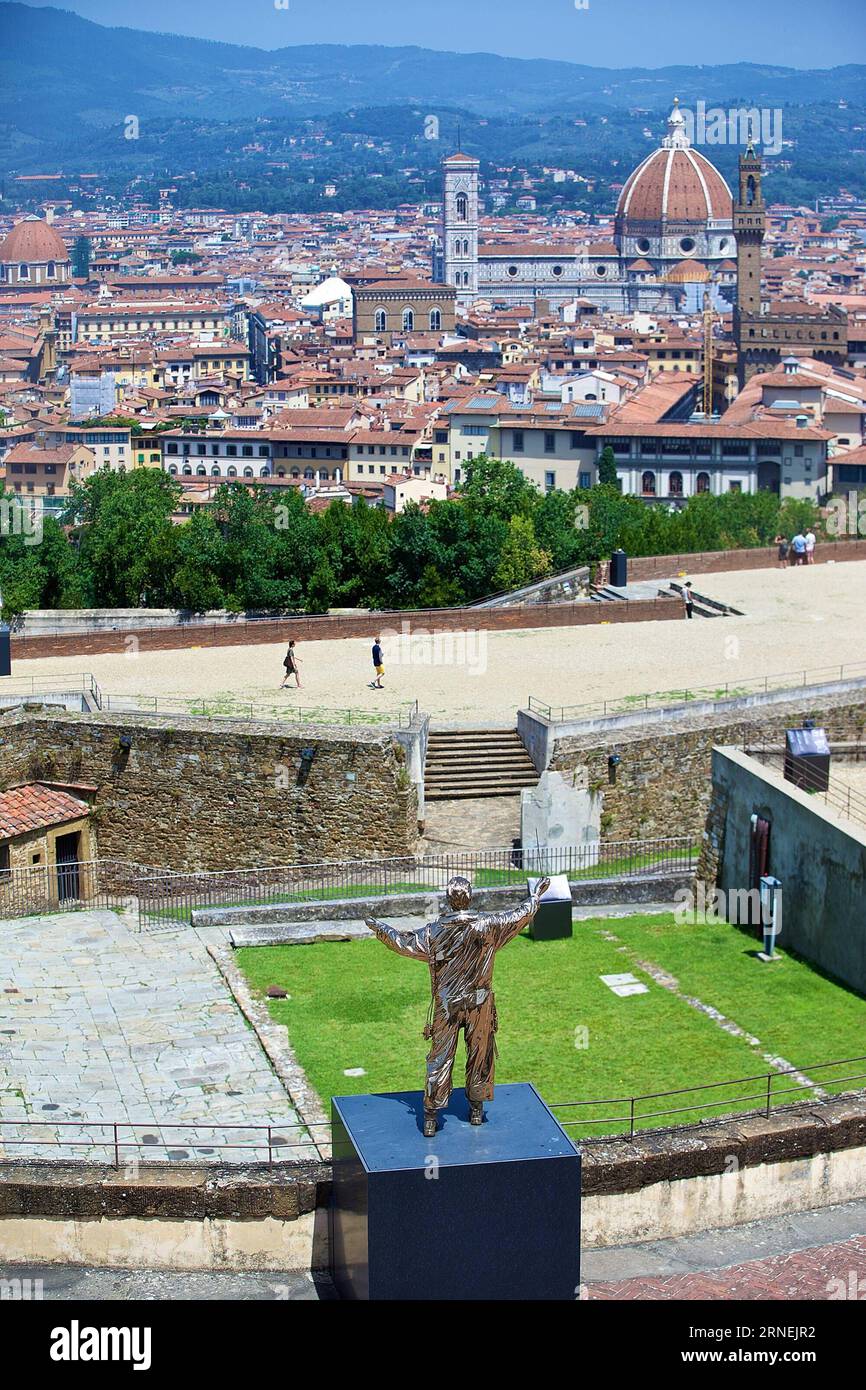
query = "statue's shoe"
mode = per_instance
[
  {"x": 429, "y": 1126},
  {"x": 476, "y": 1115}
]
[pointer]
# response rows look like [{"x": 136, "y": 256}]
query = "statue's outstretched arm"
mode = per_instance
[
  {"x": 506, "y": 925},
  {"x": 405, "y": 943}
]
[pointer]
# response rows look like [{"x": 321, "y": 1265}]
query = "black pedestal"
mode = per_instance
[{"x": 478, "y": 1212}]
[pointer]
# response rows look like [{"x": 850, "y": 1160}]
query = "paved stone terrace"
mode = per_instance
[
  {"x": 101, "y": 1023},
  {"x": 808, "y": 1256}
]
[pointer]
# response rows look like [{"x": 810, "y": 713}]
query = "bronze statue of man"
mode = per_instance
[{"x": 459, "y": 948}]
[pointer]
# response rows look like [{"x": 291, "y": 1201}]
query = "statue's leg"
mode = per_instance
[
  {"x": 440, "y": 1062},
  {"x": 480, "y": 1032}
]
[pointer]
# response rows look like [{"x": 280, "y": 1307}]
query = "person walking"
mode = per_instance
[
  {"x": 798, "y": 549},
  {"x": 810, "y": 546},
  {"x": 378, "y": 664},
  {"x": 782, "y": 552},
  {"x": 291, "y": 662},
  {"x": 688, "y": 600}
]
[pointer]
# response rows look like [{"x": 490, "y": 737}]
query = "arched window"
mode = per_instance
[
  {"x": 408, "y": 320},
  {"x": 466, "y": 246},
  {"x": 201, "y": 471},
  {"x": 675, "y": 484},
  {"x": 648, "y": 483},
  {"x": 52, "y": 270},
  {"x": 435, "y": 320},
  {"x": 323, "y": 475},
  {"x": 248, "y": 472},
  {"x": 264, "y": 472},
  {"x": 187, "y": 470},
  {"x": 231, "y": 472},
  {"x": 703, "y": 482},
  {"x": 381, "y": 321},
  {"x": 215, "y": 471},
  {"x": 23, "y": 272},
  {"x": 173, "y": 470},
  {"x": 750, "y": 189},
  {"x": 309, "y": 474},
  {"x": 462, "y": 207},
  {"x": 457, "y": 247}
]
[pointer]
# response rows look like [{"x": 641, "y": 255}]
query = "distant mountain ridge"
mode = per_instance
[{"x": 49, "y": 57}]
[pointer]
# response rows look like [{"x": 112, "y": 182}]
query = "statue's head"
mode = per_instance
[{"x": 459, "y": 894}]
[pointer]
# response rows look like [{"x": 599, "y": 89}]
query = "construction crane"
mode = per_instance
[{"x": 707, "y": 401}]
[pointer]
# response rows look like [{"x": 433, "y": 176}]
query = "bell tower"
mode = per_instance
[
  {"x": 749, "y": 228},
  {"x": 460, "y": 225}
]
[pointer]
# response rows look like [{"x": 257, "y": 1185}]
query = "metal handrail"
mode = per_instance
[{"x": 673, "y": 699}]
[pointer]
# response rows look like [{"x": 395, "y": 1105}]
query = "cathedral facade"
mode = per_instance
[{"x": 673, "y": 229}]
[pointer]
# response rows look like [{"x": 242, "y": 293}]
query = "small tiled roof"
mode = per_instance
[{"x": 34, "y": 807}]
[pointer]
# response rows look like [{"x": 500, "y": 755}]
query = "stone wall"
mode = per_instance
[
  {"x": 664, "y": 782},
  {"x": 213, "y": 794},
  {"x": 667, "y": 1183},
  {"x": 818, "y": 856}
]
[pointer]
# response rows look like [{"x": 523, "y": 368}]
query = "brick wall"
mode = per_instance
[
  {"x": 311, "y": 629},
  {"x": 204, "y": 794},
  {"x": 720, "y": 561}
]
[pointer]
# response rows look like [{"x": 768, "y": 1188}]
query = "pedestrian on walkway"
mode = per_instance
[
  {"x": 378, "y": 664},
  {"x": 810, "y": 546},
  {"x": 688, "y": 600},
  {"x": 782, "y": 552},
  {"x": 291, "y": 662}
]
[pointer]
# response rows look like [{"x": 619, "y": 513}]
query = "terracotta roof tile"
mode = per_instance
[{"x": 34, "y": 807}]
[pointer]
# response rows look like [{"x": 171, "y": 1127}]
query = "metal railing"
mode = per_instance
[
  {"x": 83, "y": 683},
  {"x": 124, "y": 1143},
  {"x": 836, "y": 794},
  {"x": 720, "y": 690},
  {"x": 762, "y": 1091},
  {"x": 402, "y": 716},
  {"x": 38, "y": 889},
  {"x": 127, "y": 1143},
  {"x": 172, "y": 898}
]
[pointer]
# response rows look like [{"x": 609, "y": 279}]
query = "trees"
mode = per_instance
[
  {"x": 127, "y": 543},
  {"x": 522, "y": 559},
  {"x": 607, "y": 467}
]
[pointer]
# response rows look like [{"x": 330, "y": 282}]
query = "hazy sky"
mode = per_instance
[{"x": 610, "y": 33}]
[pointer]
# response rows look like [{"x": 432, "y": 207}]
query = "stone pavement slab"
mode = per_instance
[{"x": 103, "y": 1024}]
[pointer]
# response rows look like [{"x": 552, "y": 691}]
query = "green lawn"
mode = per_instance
[{"x": 355, "y": 1004}]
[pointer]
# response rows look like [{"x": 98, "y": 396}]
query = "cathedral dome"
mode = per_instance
[
  {"x": 675, "y": 183},
  {"x": 32, "y": 242}
]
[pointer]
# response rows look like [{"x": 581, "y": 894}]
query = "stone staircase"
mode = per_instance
[{"x": 466, "y": 763}]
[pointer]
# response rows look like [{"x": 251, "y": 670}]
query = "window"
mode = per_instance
[
  {"x": 435, "y": 320},
  {"x": 462, "y": 207},
  {"x": 247, "y": 451},
  {"x": 381, "y": 321},
  {"x": 735, "y": 486},
  {"x": 648, "y": 483},
  {"x": 231, "y": 472},
  {"x": 549, "y": 481},
  {"x": 23, "y": 272},
  {"x": 702, "y": 483},
  {"x": 675, "y": 485},
  {"x": 517, "y": 438},
  {"x": 52, "y": 270},
  {"x": 549, "y": 442},
  {"x": 408, "y": 320},
  {"x": 585, "y": 480},
  {"x": 201, "y": 471}
]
